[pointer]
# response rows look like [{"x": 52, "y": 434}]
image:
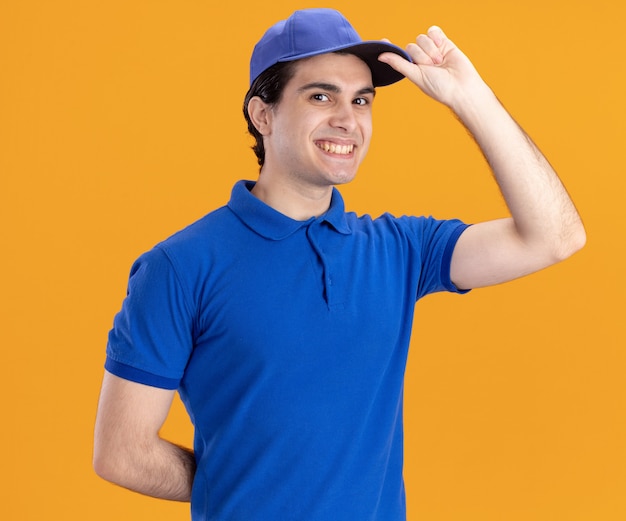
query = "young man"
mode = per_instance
[{"x": 284, "y": 321}]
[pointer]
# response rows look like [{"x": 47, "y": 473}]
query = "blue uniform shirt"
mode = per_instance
[{"x": 287, "y": 341}]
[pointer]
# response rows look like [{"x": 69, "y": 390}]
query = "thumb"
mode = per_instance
[{"x": 400, "y": 64}]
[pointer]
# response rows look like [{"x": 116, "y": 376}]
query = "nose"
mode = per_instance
[{"x": 343, "y": 117}]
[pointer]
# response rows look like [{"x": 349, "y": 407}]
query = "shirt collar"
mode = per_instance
[{"x": 274, "y": 225}]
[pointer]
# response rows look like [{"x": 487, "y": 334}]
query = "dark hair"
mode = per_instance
[{"x": 268, "y": 86}]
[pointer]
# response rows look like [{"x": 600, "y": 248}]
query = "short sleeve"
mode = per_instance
[
  {"x": 433, "y": 242},
  {"x": 152, "y": 335}
]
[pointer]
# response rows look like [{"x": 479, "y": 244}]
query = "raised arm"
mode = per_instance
[
  {"x": 128, "y": 450},
  {"x": 545, "y": 227}
]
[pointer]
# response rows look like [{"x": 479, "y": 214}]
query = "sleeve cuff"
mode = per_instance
[
  {"x": 446, "y": 266},
  {"x": 137, "y": 375}
]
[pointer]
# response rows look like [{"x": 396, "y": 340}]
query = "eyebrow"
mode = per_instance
[{"x": 330, "y": 87}]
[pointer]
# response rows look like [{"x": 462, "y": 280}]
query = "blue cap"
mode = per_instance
[{"x": 310, "y": 32}]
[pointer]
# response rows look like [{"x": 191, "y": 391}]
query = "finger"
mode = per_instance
[
  {"x": 440, "y": 39},
  {"x": 397, "y": 62},
  {"x": 428, "y": 46},
  {"x": 437, "y": 35},
  {"x": 418, "y": 55}
]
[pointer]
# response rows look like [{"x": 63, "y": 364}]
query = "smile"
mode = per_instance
[{"x": 333, "y": 148}]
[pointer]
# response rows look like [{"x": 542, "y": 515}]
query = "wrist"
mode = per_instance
[{"x": 474, "y": 103}]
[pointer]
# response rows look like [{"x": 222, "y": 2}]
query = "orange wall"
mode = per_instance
[{"x": 120, "y": 123}]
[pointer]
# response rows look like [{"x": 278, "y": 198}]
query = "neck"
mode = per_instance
[{"x": 294, "y": 200}]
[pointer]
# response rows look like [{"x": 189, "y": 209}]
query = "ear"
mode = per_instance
[{"x": 260, "y": 115}]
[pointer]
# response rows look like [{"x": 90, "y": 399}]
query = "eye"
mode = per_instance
[
  {"x": 361, "y": 101},
  {"x": 320, "y": 97}
]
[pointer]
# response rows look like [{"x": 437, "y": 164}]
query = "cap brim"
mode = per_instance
[
  {"x": 368, "y": 51},
  {"x": 382, "y": 74}
]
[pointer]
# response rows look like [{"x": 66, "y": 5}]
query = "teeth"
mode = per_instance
[{"x": 336, "y": 149}]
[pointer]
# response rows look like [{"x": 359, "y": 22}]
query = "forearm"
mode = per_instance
[
  {"x": 160, "y": 469},
  {"x": 164, "y": 470},
  {"x": 128, "y": 450},
  {"x": 543, "y": 214}
]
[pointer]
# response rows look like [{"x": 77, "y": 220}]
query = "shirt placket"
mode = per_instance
[{"x": 314, "y": 235}]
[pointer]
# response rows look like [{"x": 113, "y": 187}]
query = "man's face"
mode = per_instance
[{"x": 320, "y": 130}]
